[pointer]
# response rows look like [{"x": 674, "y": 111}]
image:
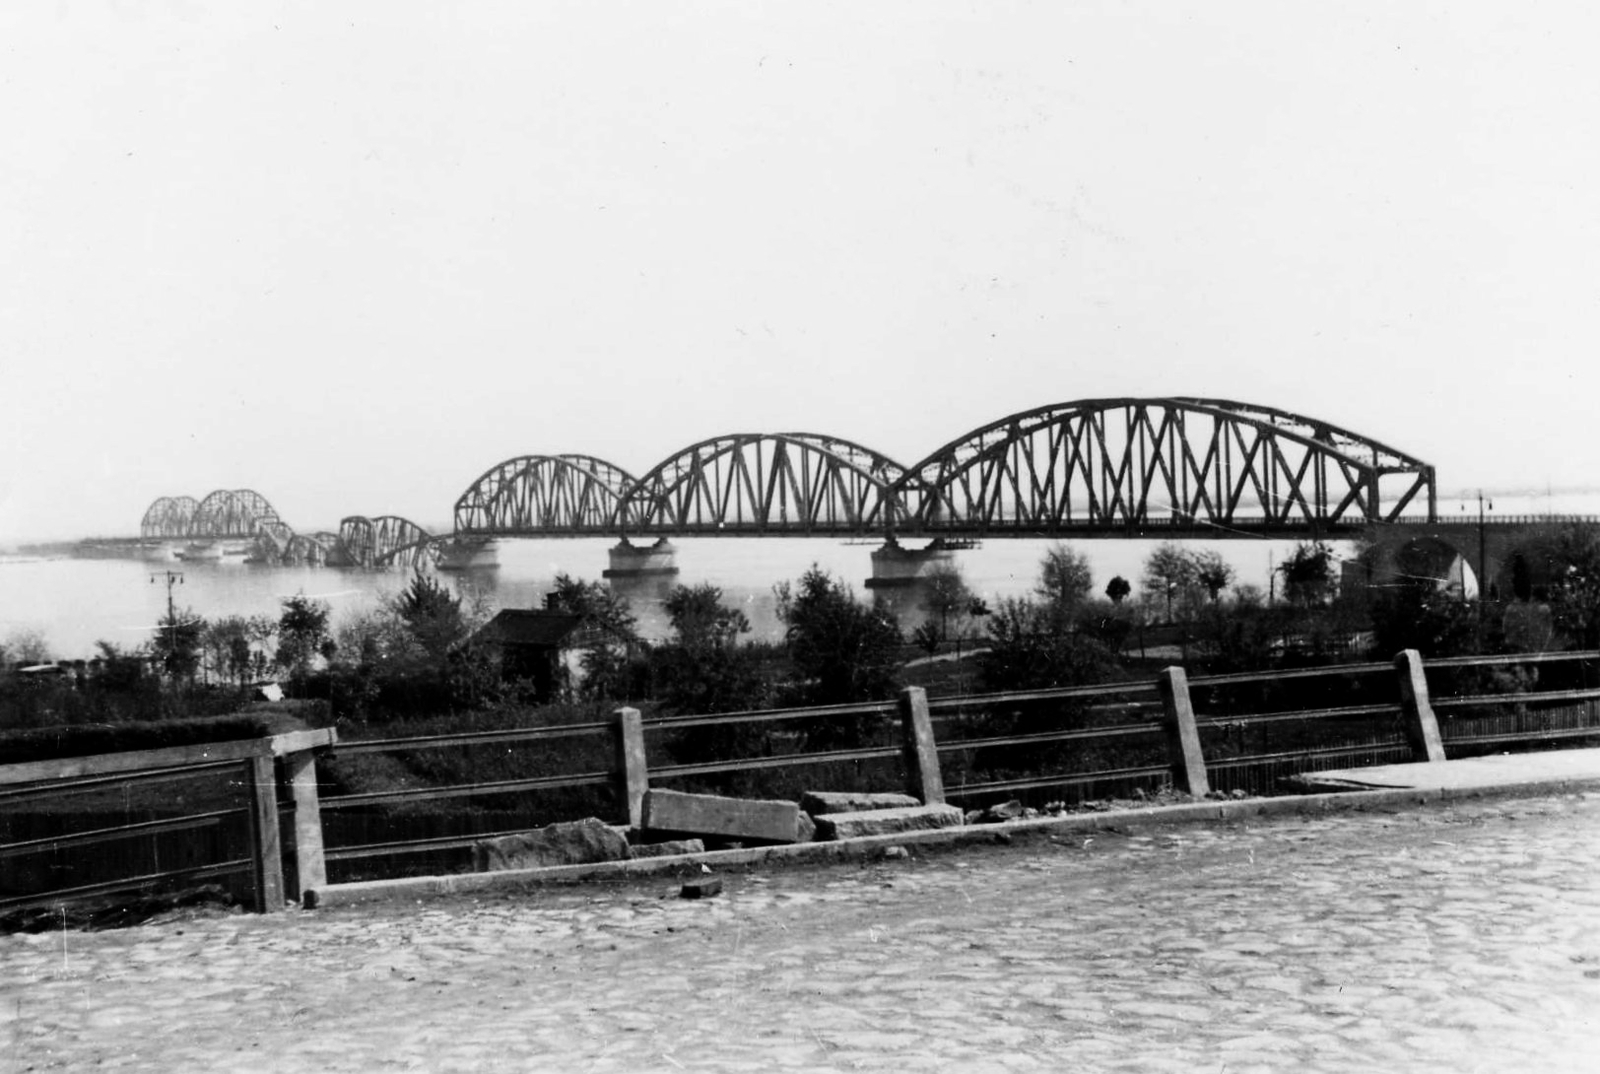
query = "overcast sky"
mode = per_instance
[{"x": 352, "y": 255}]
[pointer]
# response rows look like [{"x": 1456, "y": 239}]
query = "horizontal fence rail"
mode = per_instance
[{"x": 1235, "y": 730}]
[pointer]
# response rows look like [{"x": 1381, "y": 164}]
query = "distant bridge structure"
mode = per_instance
[
  {"x": 1096, "y": 467},
  {"x": 797, "y": 484},
  {"x": 223, "y": 514},
  {"x": 385, "y": 541},
  {"x": 1117, "y": 467},
  {"x": 1177, "y": 466},
  {"x": 544, "y": 495}
]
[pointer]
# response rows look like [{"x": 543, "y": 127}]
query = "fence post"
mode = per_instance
[
  {"x": 1422, "y": 727},
  {"x": 311, "y": 870},
  {"x": 1183, "y": 737},
  {"x": 633, "y": 777},
  {"x": 265, "y": 846},
  {"x": 923, "y": 779}
]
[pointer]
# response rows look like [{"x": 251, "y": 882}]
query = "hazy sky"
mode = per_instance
[{"x": 353, "y": 254}]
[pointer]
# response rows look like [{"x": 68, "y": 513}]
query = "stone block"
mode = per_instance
[
  {"x": 805, "y": 829},
  {"x": 887, "y": 821},
  {"x": 703, "y": 888},
  {"x": 578, "y": 842},
  {"x": 817, "y": 803},
  {"x": 1003, "y": 811},
  {"x": 667, "y": 849},
  {"x": 729, "y": 818}
]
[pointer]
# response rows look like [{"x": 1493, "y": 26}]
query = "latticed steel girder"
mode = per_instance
[
  {"x": 170, "y": 516},
  {"x": 310, "y": 549},
  {"x": 1189, "y": 463},
  {"x": 225, "y": 513},
  {"x": 384, "y": 541},
  {"x": 543, "y": 495},
  {"x": 766, "y": 483},
  {"x": 233, "y": 513}
]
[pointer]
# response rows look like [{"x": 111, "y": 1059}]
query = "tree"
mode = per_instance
[
  {"x": 699, "y": 619},
  {"x": 302, "y": 634},
  {"x": 1212, "y": 572},
  {"x": 233, "y": 646},
  {"x": 432, "y": 616},
  {"x": 1170, "y": 573},
  {"x": 1308, "y": 574},
  {"x": 1416, "y": 613},
  {"x": 177, "y": 643},
  {"x": 841, "y": 650},
  {"x": 1573, "y": 567},
  {"x": 607, "y": 634},
  {"x": 703, "y": 668},
  {"x": 1031, "y": 647},
  {"x": 1117, "y": 589},
  {"x": 1064, "y": 580},
  {"x": 945, "y": 596},
  {"x": 25, "y": 647}
]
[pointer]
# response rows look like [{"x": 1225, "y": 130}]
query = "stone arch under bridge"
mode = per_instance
[{"x": 1505, "y": 556}]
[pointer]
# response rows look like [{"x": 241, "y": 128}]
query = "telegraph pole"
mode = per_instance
[{"x": 172, "y": 578}]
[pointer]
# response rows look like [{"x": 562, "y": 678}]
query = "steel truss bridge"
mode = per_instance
[
  {"x": 1094, "y": 467},
  {"x": 1122, "y": 467},
  {"x": 243, "y": 516}
]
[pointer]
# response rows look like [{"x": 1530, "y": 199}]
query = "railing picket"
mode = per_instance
[
  {"x": 1422, "y": 727},
  {"x": 923, "y": 778},
  {"x": 633, "y": 773},
  {"x": 1183, "y": 737},
  {"x": 266, "y": 848}
]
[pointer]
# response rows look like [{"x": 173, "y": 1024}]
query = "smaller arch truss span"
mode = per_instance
[
  {"x": 385, "y": 541},
  {"x": 169, "y": 516},
  {"x": 534, "y": 495},
  {"x": 312, "y": 550},
  {"x": 767, "y": 483},
  {"x": 1180, "y": 462},
  {"x": 225, "y": 513}
]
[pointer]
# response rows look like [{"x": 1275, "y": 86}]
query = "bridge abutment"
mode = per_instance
[{"x": 629, "y": 560}]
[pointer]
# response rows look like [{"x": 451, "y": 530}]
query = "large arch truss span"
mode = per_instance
[
  {"x": 1180, "y": 462},
  {"x": 534, "y": 495},
  {"x": 385, "y": 541},
  {"x": 766, "y": 483}
]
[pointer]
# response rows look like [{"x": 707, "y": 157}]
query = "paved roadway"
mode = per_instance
[{"x": 1449, "y": 938}]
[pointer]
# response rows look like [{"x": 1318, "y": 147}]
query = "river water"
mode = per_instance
[{"x": 73, "y": 603}]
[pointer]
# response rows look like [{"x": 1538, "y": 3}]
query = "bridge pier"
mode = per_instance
[
  {"x": 629, "y": 560},
  {"x": 898, "y": 567}
]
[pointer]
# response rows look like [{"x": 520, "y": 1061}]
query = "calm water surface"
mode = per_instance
[{"x": 75, "y": 602}]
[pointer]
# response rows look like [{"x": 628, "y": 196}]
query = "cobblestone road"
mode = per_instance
[{"x": 1464, "y": 938}]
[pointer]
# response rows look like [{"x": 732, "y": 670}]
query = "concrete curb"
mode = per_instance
[{"x": 511, "y": 880}]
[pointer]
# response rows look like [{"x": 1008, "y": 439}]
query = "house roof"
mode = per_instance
[{"x": 529, "y": 626}]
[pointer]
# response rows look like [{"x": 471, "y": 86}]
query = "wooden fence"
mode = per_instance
[{"x": 1194, "y": 734}]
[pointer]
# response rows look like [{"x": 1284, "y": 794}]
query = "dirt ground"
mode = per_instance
[{"x": 1459, "y": 938}]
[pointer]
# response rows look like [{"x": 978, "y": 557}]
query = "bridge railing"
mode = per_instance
[
  {"x": 61, "y": 841},
  {"x": 1212, "y": 733}
]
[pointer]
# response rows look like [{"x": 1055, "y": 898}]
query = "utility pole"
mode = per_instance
[{"x": 172, "y": 578}]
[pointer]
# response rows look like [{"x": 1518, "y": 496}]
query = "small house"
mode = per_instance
[{"x": 528, "y": 645}]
